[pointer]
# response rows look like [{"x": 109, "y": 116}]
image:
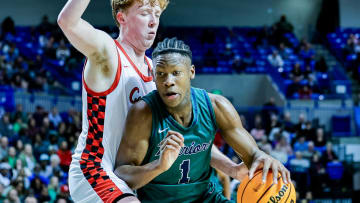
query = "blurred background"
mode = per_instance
[{"x": 290, "y": 67}]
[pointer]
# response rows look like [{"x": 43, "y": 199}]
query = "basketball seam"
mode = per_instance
[
  {"x": 267, "y": 190},
  {"x": 242, "y": 194},
  {"x": 289, "y": 194}
]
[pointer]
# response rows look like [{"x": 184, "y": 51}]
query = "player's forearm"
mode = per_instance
[
  {"x": 71, "y": 14},
  {"x": 138, "y": 176},
  {"x": 243, "y": 144},
  {"x": 221, "y": 162}
]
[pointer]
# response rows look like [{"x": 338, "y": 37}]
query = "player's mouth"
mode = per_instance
[
  {"x": 152, "y": 34},
  {"x": 171, "y": 95}
]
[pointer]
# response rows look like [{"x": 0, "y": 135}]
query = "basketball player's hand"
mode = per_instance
[
  {"x": 170, "y": 148},
  {"x": 264, "y": 161},
  {"x": 240, "y": 171}
]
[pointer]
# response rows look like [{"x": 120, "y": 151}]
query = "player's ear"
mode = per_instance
[
  {"x": 121, "y": 17},
  {"x": 192, "y": 72}
]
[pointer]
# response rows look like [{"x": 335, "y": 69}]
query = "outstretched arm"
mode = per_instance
[
  {"x": 241, "y": 141},
  {"x": 84, "y": 37},
  {"x": 134, "y": 145}
]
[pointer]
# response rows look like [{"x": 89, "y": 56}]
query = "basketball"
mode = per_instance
[{"x": 252, "y": 190}]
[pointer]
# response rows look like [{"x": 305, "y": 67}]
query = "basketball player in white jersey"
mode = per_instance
[{"x": 116, "y": 75}]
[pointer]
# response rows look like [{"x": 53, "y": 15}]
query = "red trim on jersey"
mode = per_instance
[
  {"x": 143, "y": 77},
  {"x": 113, "y": 86}
]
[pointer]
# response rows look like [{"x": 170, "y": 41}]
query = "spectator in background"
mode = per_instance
[
  {"x": 308, "y": 132},
  {"x": 7, "y": 26},
  {"x": 6, "y": 128},
  {"x": 13, "y": 197},
  {"x": 296, "y": 75},
  {"x": 310, "y": 152},
  {"x": 321, "y": 65},
  {"x": 65, "y": 156},
  {"x": 283, "y": 26},
  {"x": 258, "y": 132},
  {"x": 307, "y": 53},
  {"x": 284, "y": 51},
  {"x": 300, "y": 144},
  {"x": 237, "y": 64},
  {"x": 329, "y": 155},
  {"x": 350, "y": 44},
  {"x": 39, "y": 116},
  {"x": 264, "y": 144},
  {"x": 30, "y": 199},
  {"x": 319, "y": 139},
  {"x": 27, "y": 157},
  {"x": 299, "y": 168},
  {"x": 301, "y": 123},
  {"x": 268, "y": 109},
  {"x": 282, "y": 150},
  {"x": 317, "y": 175},
  {"x": 45, "y": 26},
  {"x": 275, "y": 60},
  {"x": 4, "y": 147},
  {"x": 62, "y": 52},
  {"x": 12, "y": 157},
  {"x": 305, "y": 92},
  {"x": 54, "y": 117},
  {"x": 5, "y": 175},
  {"x": 288, "y": 125},
  {"x": 53, "y": 188},
  {"x": 19, "y": 113}
]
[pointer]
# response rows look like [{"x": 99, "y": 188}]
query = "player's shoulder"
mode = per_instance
[
  {"x": 218, "y": 100},
  {"x": 140, "y": 111}
]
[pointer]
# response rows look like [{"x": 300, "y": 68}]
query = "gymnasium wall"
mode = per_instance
[
  {"x": 302, "y": 14},
  {"x": 349, "y": 13}
]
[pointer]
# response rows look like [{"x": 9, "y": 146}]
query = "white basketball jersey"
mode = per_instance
[{"x": 104, "y": 113}]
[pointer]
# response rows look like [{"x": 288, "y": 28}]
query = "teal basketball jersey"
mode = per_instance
[{"x": 190, "y": 178}]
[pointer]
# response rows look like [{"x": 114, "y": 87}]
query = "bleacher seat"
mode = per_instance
[{"x": 335, "y": 170}]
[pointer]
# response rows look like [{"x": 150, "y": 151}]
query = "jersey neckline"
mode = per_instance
[{"x": 143, "y": 77}]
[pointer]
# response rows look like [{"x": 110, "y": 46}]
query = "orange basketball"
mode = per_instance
[{"x": 252, "y": 190}]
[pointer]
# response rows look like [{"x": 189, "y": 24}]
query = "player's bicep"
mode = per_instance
[
  {"x": 136, "y": 134},
  {"x": 231, "y": 128},
  {"x": 85, "y": 38}
]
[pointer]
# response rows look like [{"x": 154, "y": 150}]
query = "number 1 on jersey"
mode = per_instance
[{"x": 185, "y": 169}]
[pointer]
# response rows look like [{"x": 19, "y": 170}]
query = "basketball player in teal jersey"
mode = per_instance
[{"x": 165, "y": 152}]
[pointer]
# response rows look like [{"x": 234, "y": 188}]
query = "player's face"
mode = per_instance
[
  {"x": 173, "y": 74},
  {"x": 140, "y": 24}
]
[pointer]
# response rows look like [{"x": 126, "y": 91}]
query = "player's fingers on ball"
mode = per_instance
[
  {"x": 252, "y": 169},
  {"x": 267, "y": 165},
  {"x": 275, "y": 170},
  {"x": 284, "y": 175},
  {"x": 288, "y": 176}
]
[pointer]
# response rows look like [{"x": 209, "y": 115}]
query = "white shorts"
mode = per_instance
[{"x": 91, "y": 183}]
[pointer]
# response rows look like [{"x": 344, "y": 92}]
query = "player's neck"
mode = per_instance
[
  {"x": 136, "y": 55},
  {"x": 182, "y": 113}
]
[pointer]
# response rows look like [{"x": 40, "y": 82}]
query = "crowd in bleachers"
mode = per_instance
[
  {"x": 345, "y": 44},
  {"x": 37, "y": 59},
  {"x": 40, "y": 59},
  {"x": 35, "y": 154}
]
